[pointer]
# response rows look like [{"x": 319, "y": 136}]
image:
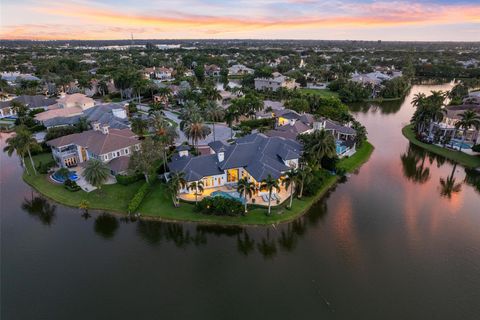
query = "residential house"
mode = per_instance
[
  {"x": 275, "y": 82},
  {"x": 112, "y": 114},
  {"x": 254, "y": 157},
  {"x": 161, "y": 73},
  {"x": 112, "y": 146},
  {"x": 13, "y": 78},
  {"x": 212, "y": 70},
  {"x": 31, "y": 102},
  {"x": 67, "y": 106},
  {"x": 239, "y": 70}
]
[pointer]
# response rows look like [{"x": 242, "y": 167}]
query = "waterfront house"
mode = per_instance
[
  {"x": 112, "y": 146},
  {"x": 255, "y": 157}
]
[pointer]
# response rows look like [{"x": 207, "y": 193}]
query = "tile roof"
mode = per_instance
[{"x": 97, "y": 142}]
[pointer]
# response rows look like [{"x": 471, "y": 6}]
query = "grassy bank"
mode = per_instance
[
  {"x": 461, "y": 158},
  {"x": 158, "y": 204}
]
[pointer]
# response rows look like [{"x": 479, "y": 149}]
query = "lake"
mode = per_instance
[{"x": 399, "y": 239}]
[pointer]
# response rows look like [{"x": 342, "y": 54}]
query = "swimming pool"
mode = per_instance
[
  {"x": 229, "y": 195},
  {"x": 457, "y": 144},
  {"x": 340, "y": 148},
  {"x": 72, "y": 175}
]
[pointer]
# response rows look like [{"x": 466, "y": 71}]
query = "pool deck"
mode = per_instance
[{"x": 283, "y": 194}]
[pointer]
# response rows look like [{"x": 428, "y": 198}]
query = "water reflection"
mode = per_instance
[
  {"x": 449, "y": 185},
  {"x": 106, "y": 225},
  {"x": 472, "y": 178},
  {"x": 413, "y": 164},
  {"x": 385, "y": 107},
  {"x": 40, "y": 208}
]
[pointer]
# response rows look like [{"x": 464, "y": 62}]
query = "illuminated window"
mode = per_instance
[{"x": 232, "y": 175}]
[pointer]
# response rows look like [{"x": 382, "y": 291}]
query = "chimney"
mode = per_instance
[
  {"x": 105, "y": 128},
  {"x": 221, "y": 154},
  {"x": 96, "y": 126}
]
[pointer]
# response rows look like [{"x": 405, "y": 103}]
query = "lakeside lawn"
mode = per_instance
[
  {"x": 461, "y": 158},
  {"x": 111, "y": 197},
  {"x": 325, "y": 93},
  {"x": 158, "y": 203}
]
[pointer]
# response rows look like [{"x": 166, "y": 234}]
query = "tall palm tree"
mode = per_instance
[
  {"x": 448, "y": 186},
  {"x": 320, "y": 145},
  {"x": 96, "y": 173},
  {"x": 139, "y": 126},
  {"x": 213, "y": 112},
  {"x": 176, "y": 182},
  {"x": 289, "y": 182},
  {"x": 22, "y": 143},
  {"x": 270, "y": 183},
  {"x": 198, "y": 187},
  {"x": 165, "y": 133},
  {"x": 211, "y": 93},
  {"x": 246, "y": 189},
  {"x": 232, "y": 114},
  {"x": 418, "y": 99},
  {"x": 304, "y": 175},
  {"x": 165, "y": 93},
  {"x": 195, "y": 129},
  {"x": 468, "y": 119}
]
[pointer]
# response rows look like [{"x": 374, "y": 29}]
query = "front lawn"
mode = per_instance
[
  {"x": 464, "y": 159},
  {"x": 324, "y": 93}
]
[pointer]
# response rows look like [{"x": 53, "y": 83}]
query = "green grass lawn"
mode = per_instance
[
  {"x": 464, "y": 159},
  {"x": 158, "y": 204},
  {"x": 321, "y": 92},
  {"x": 110, "y": 197}
]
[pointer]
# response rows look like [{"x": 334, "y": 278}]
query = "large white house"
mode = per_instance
[
  {"x": 239, "y": 70},
  {"x": 112, "y": 146},
  {"x": 275, "y": 82}
]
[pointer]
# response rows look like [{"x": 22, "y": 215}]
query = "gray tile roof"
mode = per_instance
[
  {"x": 258, "y": 154},
  {"x": 32, "y": 102}
]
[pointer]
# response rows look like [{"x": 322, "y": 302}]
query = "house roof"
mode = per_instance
[
  {"x": 97, "y": 142},
  {"x": 119, "y": 164},
  {"x": 258, "y": 154},
  {"x": 37, "y": 101}
]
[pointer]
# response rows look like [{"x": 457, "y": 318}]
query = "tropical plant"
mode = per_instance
[
  {"x": 214, "y": 113},
  {"x": 96, "y": 173},
  {"x": 22, "y": 143},
  {"x": 449, "y": 186},
  {"x": 246, "y": 189},
  {"x": 174, "y": 184},
  {"x": 304, "y": 174},
  {"x": 83, "y": 206},
  {"x": 197, "y": 186},
  {"x": 145, "y": 159},
  {"x": 165, "y": 133},
  {"x": 195, "y": 129},
  {"x": 318, "y": 145},
  {"x": 270, "y": 184},
  {"x": 468, "y": 119},
  {"x": 139, "y": 126},
  {"x": 289, "y": 182}
]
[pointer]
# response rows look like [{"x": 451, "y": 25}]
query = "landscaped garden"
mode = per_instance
[{"x": 157, "y": 203}]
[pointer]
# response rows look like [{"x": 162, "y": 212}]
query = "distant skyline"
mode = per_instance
[{"x": 407, "y": 20}]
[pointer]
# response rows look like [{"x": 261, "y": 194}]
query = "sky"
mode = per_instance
[{"x": 403, "y": 20}]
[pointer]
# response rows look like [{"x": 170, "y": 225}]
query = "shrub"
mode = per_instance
[
  {"x": 315, "y": 184},
  {"x": 257, "y": 123},
  {"x": 43, "y": 168},
  {"x": 476, "y": 148},
  {"x": 138, "y": 198},
  {"x": 220, "y": 206},
  {"x": 71, "y": 185},
  {"x": 125, "y": 180}
]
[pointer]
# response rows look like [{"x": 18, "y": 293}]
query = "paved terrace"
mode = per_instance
[{"x": 284, "y": 195}]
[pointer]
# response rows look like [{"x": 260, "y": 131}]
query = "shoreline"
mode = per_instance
[
  {"x": 167, "y": 213},
  {"x": 466, "y": 160}
]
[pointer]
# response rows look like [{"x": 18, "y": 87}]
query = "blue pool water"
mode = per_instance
[
  {"x": 230, "y": 195},
  {"x": 457, "y": 144},
  {"x": 72, "y": 175},
  {"x": 340, "y": 148}
]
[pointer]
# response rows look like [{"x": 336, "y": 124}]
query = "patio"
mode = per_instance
[
  {"x": 257, "y": 198},
  {"x": 82, "y": 183}
]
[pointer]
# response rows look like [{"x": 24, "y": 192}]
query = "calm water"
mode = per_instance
[{"x": 388, "y": 243}]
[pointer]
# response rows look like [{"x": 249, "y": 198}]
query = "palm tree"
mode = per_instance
[
  {"x": 246, "y": 189},
  {"x": 198, "y": 187},
  {"x": 211, "y": 93},
  {"x": 449, "y": 186},
  {"x": 418, "y": 99},
  {"x": 195, "y": 129},
  {"x": 231, "y": 115},
  {"x": 467, "y": 120},
  {"x": 270, "y": 183},
  {"x": 22, "y": 143},
  {"x": 102, "y": 87},
  {"x": 213, "y": 112},
  {"x": 165, "y": 93},
  {"x": 289, "y": 182},
  {"x": 176, "y": 182},
  {"x": 96, "y": 173},
  {"x": 139, "y": 126},
  {"x": 304, "y": 174},
  {"x": 165, "y": 133},
  {"x": 320, "y": 145}
]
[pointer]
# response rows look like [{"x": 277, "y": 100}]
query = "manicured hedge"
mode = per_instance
[
  {"x": 71, "y": 185},
  {"x": 125, "y": 180},
  {"x": 258, "y": 123},
  {"x": 138, "y": 198},
  {"x": 220, "y": 206}
]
